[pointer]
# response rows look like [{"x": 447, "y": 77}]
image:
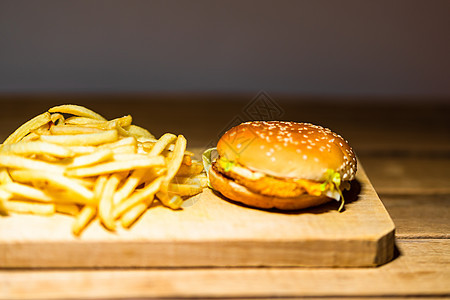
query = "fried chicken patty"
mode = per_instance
[{"x": 268, "y": 185}]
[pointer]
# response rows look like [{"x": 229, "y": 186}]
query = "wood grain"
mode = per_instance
[
  {"x": 411, "y": 175},
  {"x": 416, "y": 272},
  {"x": 420, "y": 216},
  {"x": 211, "y": 231}
]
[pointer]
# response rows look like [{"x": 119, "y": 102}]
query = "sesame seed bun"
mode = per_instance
[
  {"x": 288, "y": 150},
  {"x": 274, "y": 164}
]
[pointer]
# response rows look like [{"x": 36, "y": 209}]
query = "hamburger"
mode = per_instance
[{"x": 281, "y": 165}]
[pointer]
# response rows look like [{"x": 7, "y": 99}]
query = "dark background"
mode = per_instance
[{"x": 346, "y": 48}]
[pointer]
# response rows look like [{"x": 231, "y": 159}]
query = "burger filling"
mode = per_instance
[{"x": 262, "y": 183}]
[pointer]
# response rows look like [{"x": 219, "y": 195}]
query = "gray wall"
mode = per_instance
[{"x": 298, "y": 47}]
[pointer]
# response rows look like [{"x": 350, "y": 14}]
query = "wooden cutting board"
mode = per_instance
[{"x": 211, "y": 231}]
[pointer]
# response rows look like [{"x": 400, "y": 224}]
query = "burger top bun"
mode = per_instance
[{"x": 288, "y": 150}]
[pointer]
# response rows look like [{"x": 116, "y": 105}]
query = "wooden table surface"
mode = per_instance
[{"x": 404, "y": 147}]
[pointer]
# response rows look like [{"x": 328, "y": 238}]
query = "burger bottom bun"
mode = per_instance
[{"x": 240, "y": 193}]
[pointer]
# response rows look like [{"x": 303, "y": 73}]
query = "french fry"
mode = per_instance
[
  {"x": 172, "y": 169},
  {"x": 105, "y": 206},
  {"x": 116, "y": 166},
  {"x": 131, "y": 216},
  {"x": 36, "y": 147},
  {"x": 162, "y": 143},
  {"x": 91, "y": 158},
  {"x": 59, "y": 181},
  {"x": 99, "y": 186},
  {"x": 139, "y": 132},
  {"x": 84, "y": 121},
  {"x": 199, "y": 179},
  {"x": 187, "y": 171},
  {"x": 138, "y": 196},
  {"x": 42, "y": 130},
  {"x": 73, "y": 129},
  {"x": 32, "y": 136},
  {"x": 172, "y": 201},
  {"x": 124, "y": 121},
  {"x": 26, "y": 191},
  {"x": 128, "y": 149},
  {"x": 57, "y": 119},
  {"x": 28, "y": 127},
  {"x": 184, "y": 190},
  {"x": 26, "y": 207},
  {"x": 4, "y": 176},
  {"x": 129, "y": 185},
  {"x": 4, "y": 196},
  {"x": 128, "y": 141},
  {"x": 19, "y": 162},
  {"x": 88, "y": 139},
  {"x": 76, "y": 110},
  {"x": 86, "y": 215},
  {"x": 79, "y": 150},
  {"x": 175, "y": 163},
  {"x": 67, "y": 208}
]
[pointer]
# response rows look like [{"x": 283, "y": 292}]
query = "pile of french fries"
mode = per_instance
[{"x": 72, "y": 160}]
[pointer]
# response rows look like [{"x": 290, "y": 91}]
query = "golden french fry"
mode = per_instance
[
  {"x": 106, "y": 205},
  {"x": 99, "y": 186},
  {"x": 138, "y": 196},
  {"x": 172, "y": 201},
  {"x": 91, "y": 158},
  {"x": 139, "y": 132},
  {"x": 130, "y": 149},
  {"x": 86, "y": 215},
  {"x": 19, "y": 162},
  {"x": 194, "y": 169},
  {"x": 76, "y": 110},
  {"x": 129, "y": 185},
  {"x": 26, "y": 191},
  {"x": 85, "y": 121},
  {"x": 4, "y": 176},
  {"x": 32, "y": 136},
  {"x": 58, "y": 181},
  {"x": 87, "y": 139},
  {"x": 37, "y": 147},
  {"x": 172, "y": 168},
  {"x": 200, "y": 179},
  {"x": 184, "y": 190},
  {"x": 162, "y": 143},
  {"x": 26, "y": 207},
  {"x": 67, "y": 208},
  {"x": 124, "y": 121},
  {"x": 57, "y": 119},
  {"x": 131, "y": 216},
  {"x": 178, "y": 153},
  {"x": 116, "y": 166},
  {"x": 80, "y": 150},
  {"x": 28, "y": 127},
  {"x": 127, "y": 141},
  {"x": 73, "y": 129},
  {"x": 42, "y": 130},
  {"x": 4, "y": 196}
]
